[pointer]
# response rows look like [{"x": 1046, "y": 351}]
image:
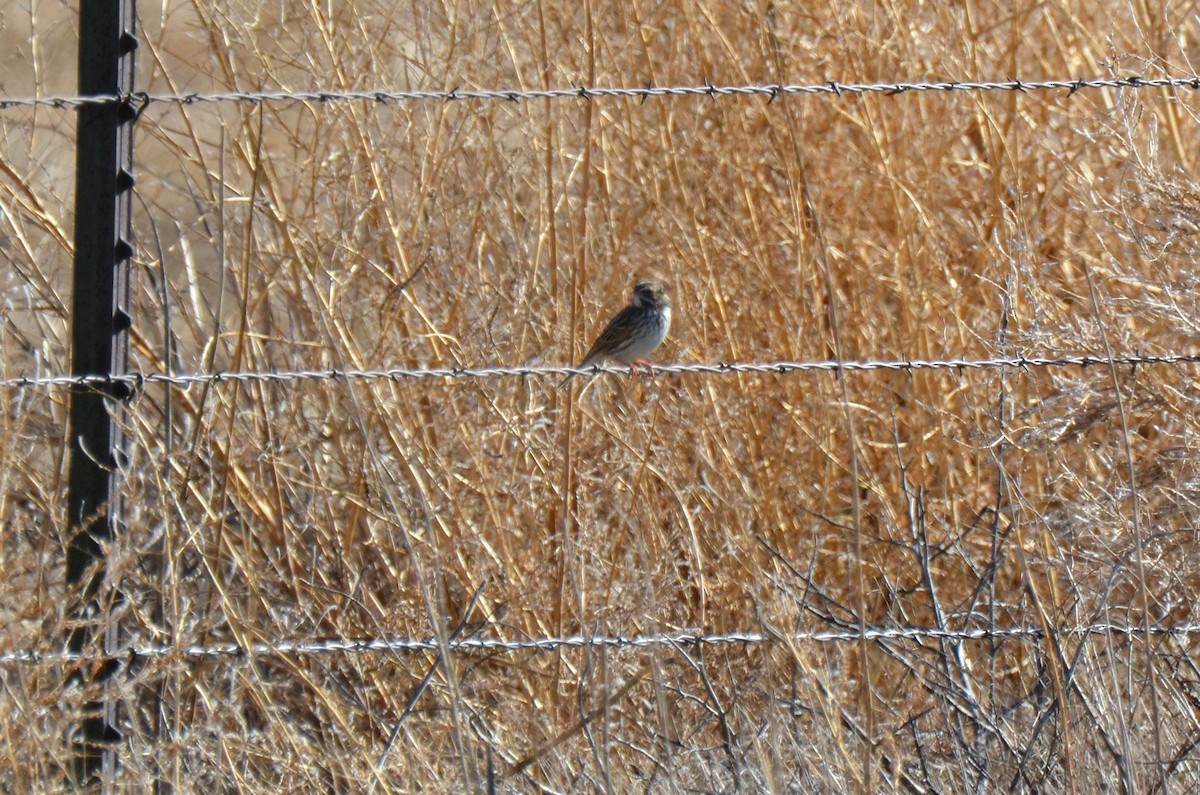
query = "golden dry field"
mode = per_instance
[{"x": 1022, "y": 541}]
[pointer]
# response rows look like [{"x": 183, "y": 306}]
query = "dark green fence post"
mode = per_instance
[{"x": 100, "y": 319}]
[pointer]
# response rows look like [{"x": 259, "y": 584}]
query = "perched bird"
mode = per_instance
[{"x": 635, "y": 331}]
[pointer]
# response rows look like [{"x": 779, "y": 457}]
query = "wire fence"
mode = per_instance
[
  {"x": 617, "y": 642},
  {"x": 771, "y": 91},
  {"x": 137, "y": 381}
]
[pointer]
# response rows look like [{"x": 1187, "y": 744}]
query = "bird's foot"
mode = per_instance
[{"x": 633, "y": 368}]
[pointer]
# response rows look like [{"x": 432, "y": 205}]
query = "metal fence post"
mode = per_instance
[{"x": 100, "y": 319}]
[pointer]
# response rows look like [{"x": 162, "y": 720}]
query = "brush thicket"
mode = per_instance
[{"x": 873, "y": 227}]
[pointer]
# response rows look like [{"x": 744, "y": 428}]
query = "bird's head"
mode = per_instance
[{"x": 649, "y": 294}]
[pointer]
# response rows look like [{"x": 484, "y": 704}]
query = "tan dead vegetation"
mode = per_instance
[{"x": 363, "y": 235}]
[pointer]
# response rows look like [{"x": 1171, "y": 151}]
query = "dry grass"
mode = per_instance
[{"x": 357, "y": 235}]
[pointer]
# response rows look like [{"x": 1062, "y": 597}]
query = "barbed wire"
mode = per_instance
[
  {"x": 615, "y": 642},
  {"x": 706, "y": 89},
  {"x": 137, "y": 381}
]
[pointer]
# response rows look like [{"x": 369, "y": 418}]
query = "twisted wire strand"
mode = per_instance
[
  {"x": 1020, "y": 361},
  {"x": 617, "y": 642},
  {"x": 772, "y": 91}
]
